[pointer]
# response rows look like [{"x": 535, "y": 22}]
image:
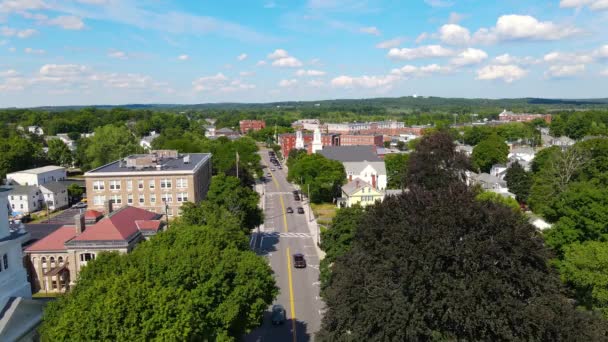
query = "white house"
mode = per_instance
[
  {"x": 209, "y": 131},
  {"x": 55, "y": 195},
  {"x": 35, "y": 130},
  {"x": 19, "y": 315},
  {"x": 67, "y": 140},
  {"x": 499, "y": 170},
  {"x": 466, "y": 149},
  {"x": 24, "y": 199},
  {"x": 146, "y": 142},
  {"x": 359, "y": 162},
  {"x": 489, "y": 182},
  {"x": 37, "y": 176}
]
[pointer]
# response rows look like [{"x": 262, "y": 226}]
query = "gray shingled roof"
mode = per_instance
[
  {"x": 350, "y": 153},
  {"x": 22, "y": 189},
  {"x": 355, "y": 185},
  {"x": 55, "y": 187}
]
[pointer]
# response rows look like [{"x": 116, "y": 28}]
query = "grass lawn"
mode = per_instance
[
  {"x": 42, "y": 294},
  {"x": 324, "y": 212},
  {"x": 40, "y": 217}
]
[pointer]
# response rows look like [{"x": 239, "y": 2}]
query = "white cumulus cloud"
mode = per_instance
[
  {"x": 469, "y": 56},
  {"x": 242, "y": 57},
  {"x": 364, "y": 81},
  {"x": 427, "y": 51},
  {"x": 67, "y": 22},
  {"x": 453, "y": 34},
  {"x": 391, "y": 43},
  {"x": 594, "y": 5},
  {"x": 303, "y": 72},
  {"x": 507, "y": 73},
  {"x": 288, "y": 83},
  {"x": 183, "y": 57},
  {"x": 523, "y": 27},
  {"x": 565, "y": 71},
  {"x": 281, "y": 58},
  {"x": 373, "y": 30}
]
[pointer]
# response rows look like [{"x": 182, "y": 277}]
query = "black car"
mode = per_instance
[
  {"x": 279, "y": 315},
  {"x": 289, "y": 210},
  {"x": 300, "y": 210},
  {"x": 299, "y": 261},
  {"x": 296, "y": 197}
]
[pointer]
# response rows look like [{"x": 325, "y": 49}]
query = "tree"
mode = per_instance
[
  {"x": 337, "y": 239},
  {"x": 543, "y": 157},
  {"x": 193, "y": 283},
  {"x": 59, "y": 153},
  {"x": 490, "y": 151},
  {"x": 396, "y": 170},
  {"x": 110, "y": 143},
  {"x": 489, "y": 196},
  {"x": 19, "y": 153},
  {"x": 75, "y": 192},
  {"x": 435, "y": 163},
  {"x": 440, "y": 265},
  {"x": 241, "y": 201},
  {"x": 325, "y": 177},
  {"x": 584, "y": 268},
  {"x": 519, "y": 182}
]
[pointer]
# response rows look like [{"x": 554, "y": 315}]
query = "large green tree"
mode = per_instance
[
  {"x": 519, "y": 181},
  {"x": 492, "y": 150},
  {"x": 19, "y": 153},
  {"x": 440, "y": 265},
  {"x": 323, "y": 176},
  {"x": 396, "y": 170},
  {"x": 228, "y": 192},
  {"x": 110, "y": 143},
  {"x": 191, "y": 283},
  {"x": 59, "y": 153}
]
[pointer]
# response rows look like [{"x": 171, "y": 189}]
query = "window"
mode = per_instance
[
  {"x": 140, "y": 184},
  {"x": 5, "y": 261},
  {"x": 13, "y": 206},
  {"x": 151, "y": 184},
  {"x": 182, "y": 197},
  {"x": 142, "y": 199},
  {"x": 152, "y": 198},
  {"x": 168, "y": 198},
  {"x": 182, "y": 183},
  {"x": 87, "y": 256},
  {"x": 99, "y": 185},
  {"x": 60, "y": 261},
  {"x": 165, "y": 183},
  {"x": 116, "y": 199},
  {"x": 52, "y": 262},
  {"x": 115, "y": 185},
  {"x": 130, "y": 199},
  {"x": 43, "y": 263},
  {"x": 12, "y": 197},
  {"x": 20, "y": 198},
  {"x": 99, "y": 200},
  {"x": 170, "y": 212},
  {"x": 129, "y": 185}
]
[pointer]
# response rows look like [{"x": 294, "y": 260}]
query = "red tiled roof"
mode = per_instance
[
  {"x": 148, "y": 225},
  {"x": 54, "y": 241},
  {"x": 92, "y": 214},
  {"x": 120, "y": 225}
]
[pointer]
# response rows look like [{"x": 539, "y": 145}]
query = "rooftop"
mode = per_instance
[
  {"x": 354, "y": 185},
  {"x": 42, "y": 169},
  {"x": 54, "y": 241},
  {"x": 150, "y": 163},
  {"x": 54, "y": 187},
  {"x": 120, "y": 225},
  {"x": 350, "y": 153}
]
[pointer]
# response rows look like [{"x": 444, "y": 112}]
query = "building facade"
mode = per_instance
[
  {"x": 359, "y": 192},
  {"x": 507, "y": 116},
  {"x": 24, "y": 199},
  {"x": 160, "y": 181},
  {"x": 361, "y": 140},
  {"x": 288, "y": 141},
  {"x": 54, "y": 195},
  {"x": 251, "y": 125},
  {"x": 38, "y": 176}
]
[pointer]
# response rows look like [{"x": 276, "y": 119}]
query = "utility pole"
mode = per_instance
[
  {"x": 237, "y": 164},
  {"x": 166, "y": 212},
  {"x": 309, "y": 206}
]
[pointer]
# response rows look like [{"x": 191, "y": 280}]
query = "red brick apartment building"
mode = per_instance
[
  {"x": 506, "y": 116},
  {"x": 251, "y": 125},
  {"x": 361, "y": 140},
  {"x": 288, "y": 141}
]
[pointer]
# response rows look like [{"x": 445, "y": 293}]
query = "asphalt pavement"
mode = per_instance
[{"x": 284, "y": 235}]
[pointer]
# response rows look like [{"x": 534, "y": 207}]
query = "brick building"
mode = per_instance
[
  {"x": 391, "y": 128},
  {"x": 361, "y": 140},
  {"x": 150, "y": 180},
  {"x": 288, "y": 141},
  {"x": 251, "y": 125},
  {"x": 507, "y": 116}
]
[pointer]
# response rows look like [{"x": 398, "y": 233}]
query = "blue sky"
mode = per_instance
[{"x": 82, "y": 52}]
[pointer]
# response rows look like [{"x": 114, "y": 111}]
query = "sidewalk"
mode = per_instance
[{"x": 254, "y": 241}]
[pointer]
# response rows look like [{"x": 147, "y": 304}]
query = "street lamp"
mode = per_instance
[{"x": 166, "y": 212}]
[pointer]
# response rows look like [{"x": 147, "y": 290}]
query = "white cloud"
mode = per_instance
[
  {"x": 373, "y": 30},
  {"x": 411, "y": 70},
  {"x": 303, "y": 72},
  {"x": 565, "y": 71},
  {"x": 391, "y": 43},
  {"x": 604, "y": 72},
  {"x": 260, "y": 63},
  {"x": 455, "y": 18},
  {"x": 10, "y": 6},
  {"x": 183, "y": 57},
  {"x": 507, "y": 73},
  {"x": 594, "y": 5},
  {"x": 560, "y": 57},
  {"x": 117, "y": 54},
  {"x": 453, "y": 34},
  {"x": 422, "y": 37},
  {"x": 31, "y": 51},
  {"x": 523, "y": 27},
  {"x": 316, "y": 83},
  {"x": 9, "y": 73},
  {"x": 439, "y": 3},
  {"x": 278, "y": 54},
  {"x": 67, "y": 22},
  {"x": 601, "y": 53},
  {"x": 383, "y": 81},
  {"x": 94, "y": 2},
  {"x": 242, "y": 57},
  {"x": 11, "y": 32},
  {"x": 246, "y": 73},
  {"x": 219, "y": 83},
  {"x": 287, "y": 62},
  {"x": 469, "y": 56},
  {"x": 508, "y": 59},
  {"x": 427, "y": 51},
  {"x": 12, "y": 49},
  {"x": 288, "y": 83}
]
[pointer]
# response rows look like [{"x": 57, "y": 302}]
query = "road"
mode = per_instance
[{"x": 284, "y": 235}]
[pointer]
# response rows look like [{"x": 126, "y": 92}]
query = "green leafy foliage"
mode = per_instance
[
  {"x": 519, "y": 182},
  {"x": 109, "y": 143},
  {"x": 19, "y": 153},
  {"x": 59, "y": 153},
  {"x": 323, "y": 176},
  {"x": 229, "y": 193},
  {"x": 441, "y": 265},
  {"x": 489, "y": 196},
  {"x": 492, "y": 150},
  {"x": 396, "y": 170},
  {"x": 192, "y": 283}
]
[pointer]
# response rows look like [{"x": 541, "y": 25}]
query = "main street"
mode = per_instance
[{"x": 284, "y": 235}]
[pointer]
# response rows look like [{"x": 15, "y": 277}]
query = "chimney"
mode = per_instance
[
  {"x": 108, "y": 207},
  {"x": 79, "y": 223},
  {"x": 374, "y": 181},
  {"x": 350, "y": 178}
]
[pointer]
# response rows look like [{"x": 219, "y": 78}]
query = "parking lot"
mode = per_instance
[{"x": 66, "y": 217}]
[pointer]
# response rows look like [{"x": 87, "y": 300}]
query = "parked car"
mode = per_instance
[
  {"x": 289, "y": 210},
  {"x": 272, "y": 169},
  {"x": 300, "y": 210},
  {"x": 279, "y": 315},
  {"x": 79, "y": 205},
  {"x": 268, "y": 174},
  {"x": 296, "y": 197},
  {"x": 299, "y": 261}
]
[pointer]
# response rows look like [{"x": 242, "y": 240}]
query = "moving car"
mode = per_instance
[
  {"x": 300, "y": 210},
  {"x": 299, "y": 261},
  {"x": 289, "y": 210},
  {"x": 296, "y": 197},
  {"x": 278, "y": 314},
  {"x": 268, "y": 174}
]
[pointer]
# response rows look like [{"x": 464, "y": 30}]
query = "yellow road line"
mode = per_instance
[
  {"x": 282, "y": 202},
  {"x": 291, "y": 301}
]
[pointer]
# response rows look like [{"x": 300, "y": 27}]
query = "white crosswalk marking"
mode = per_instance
[
  {"x": 288, "y": 235},
  {"x": 279, "y": 193}
]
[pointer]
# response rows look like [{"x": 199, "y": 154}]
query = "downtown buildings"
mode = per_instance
[
  {"x": 251, "y": 125},
  {"x": 160, "y": 181}
]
